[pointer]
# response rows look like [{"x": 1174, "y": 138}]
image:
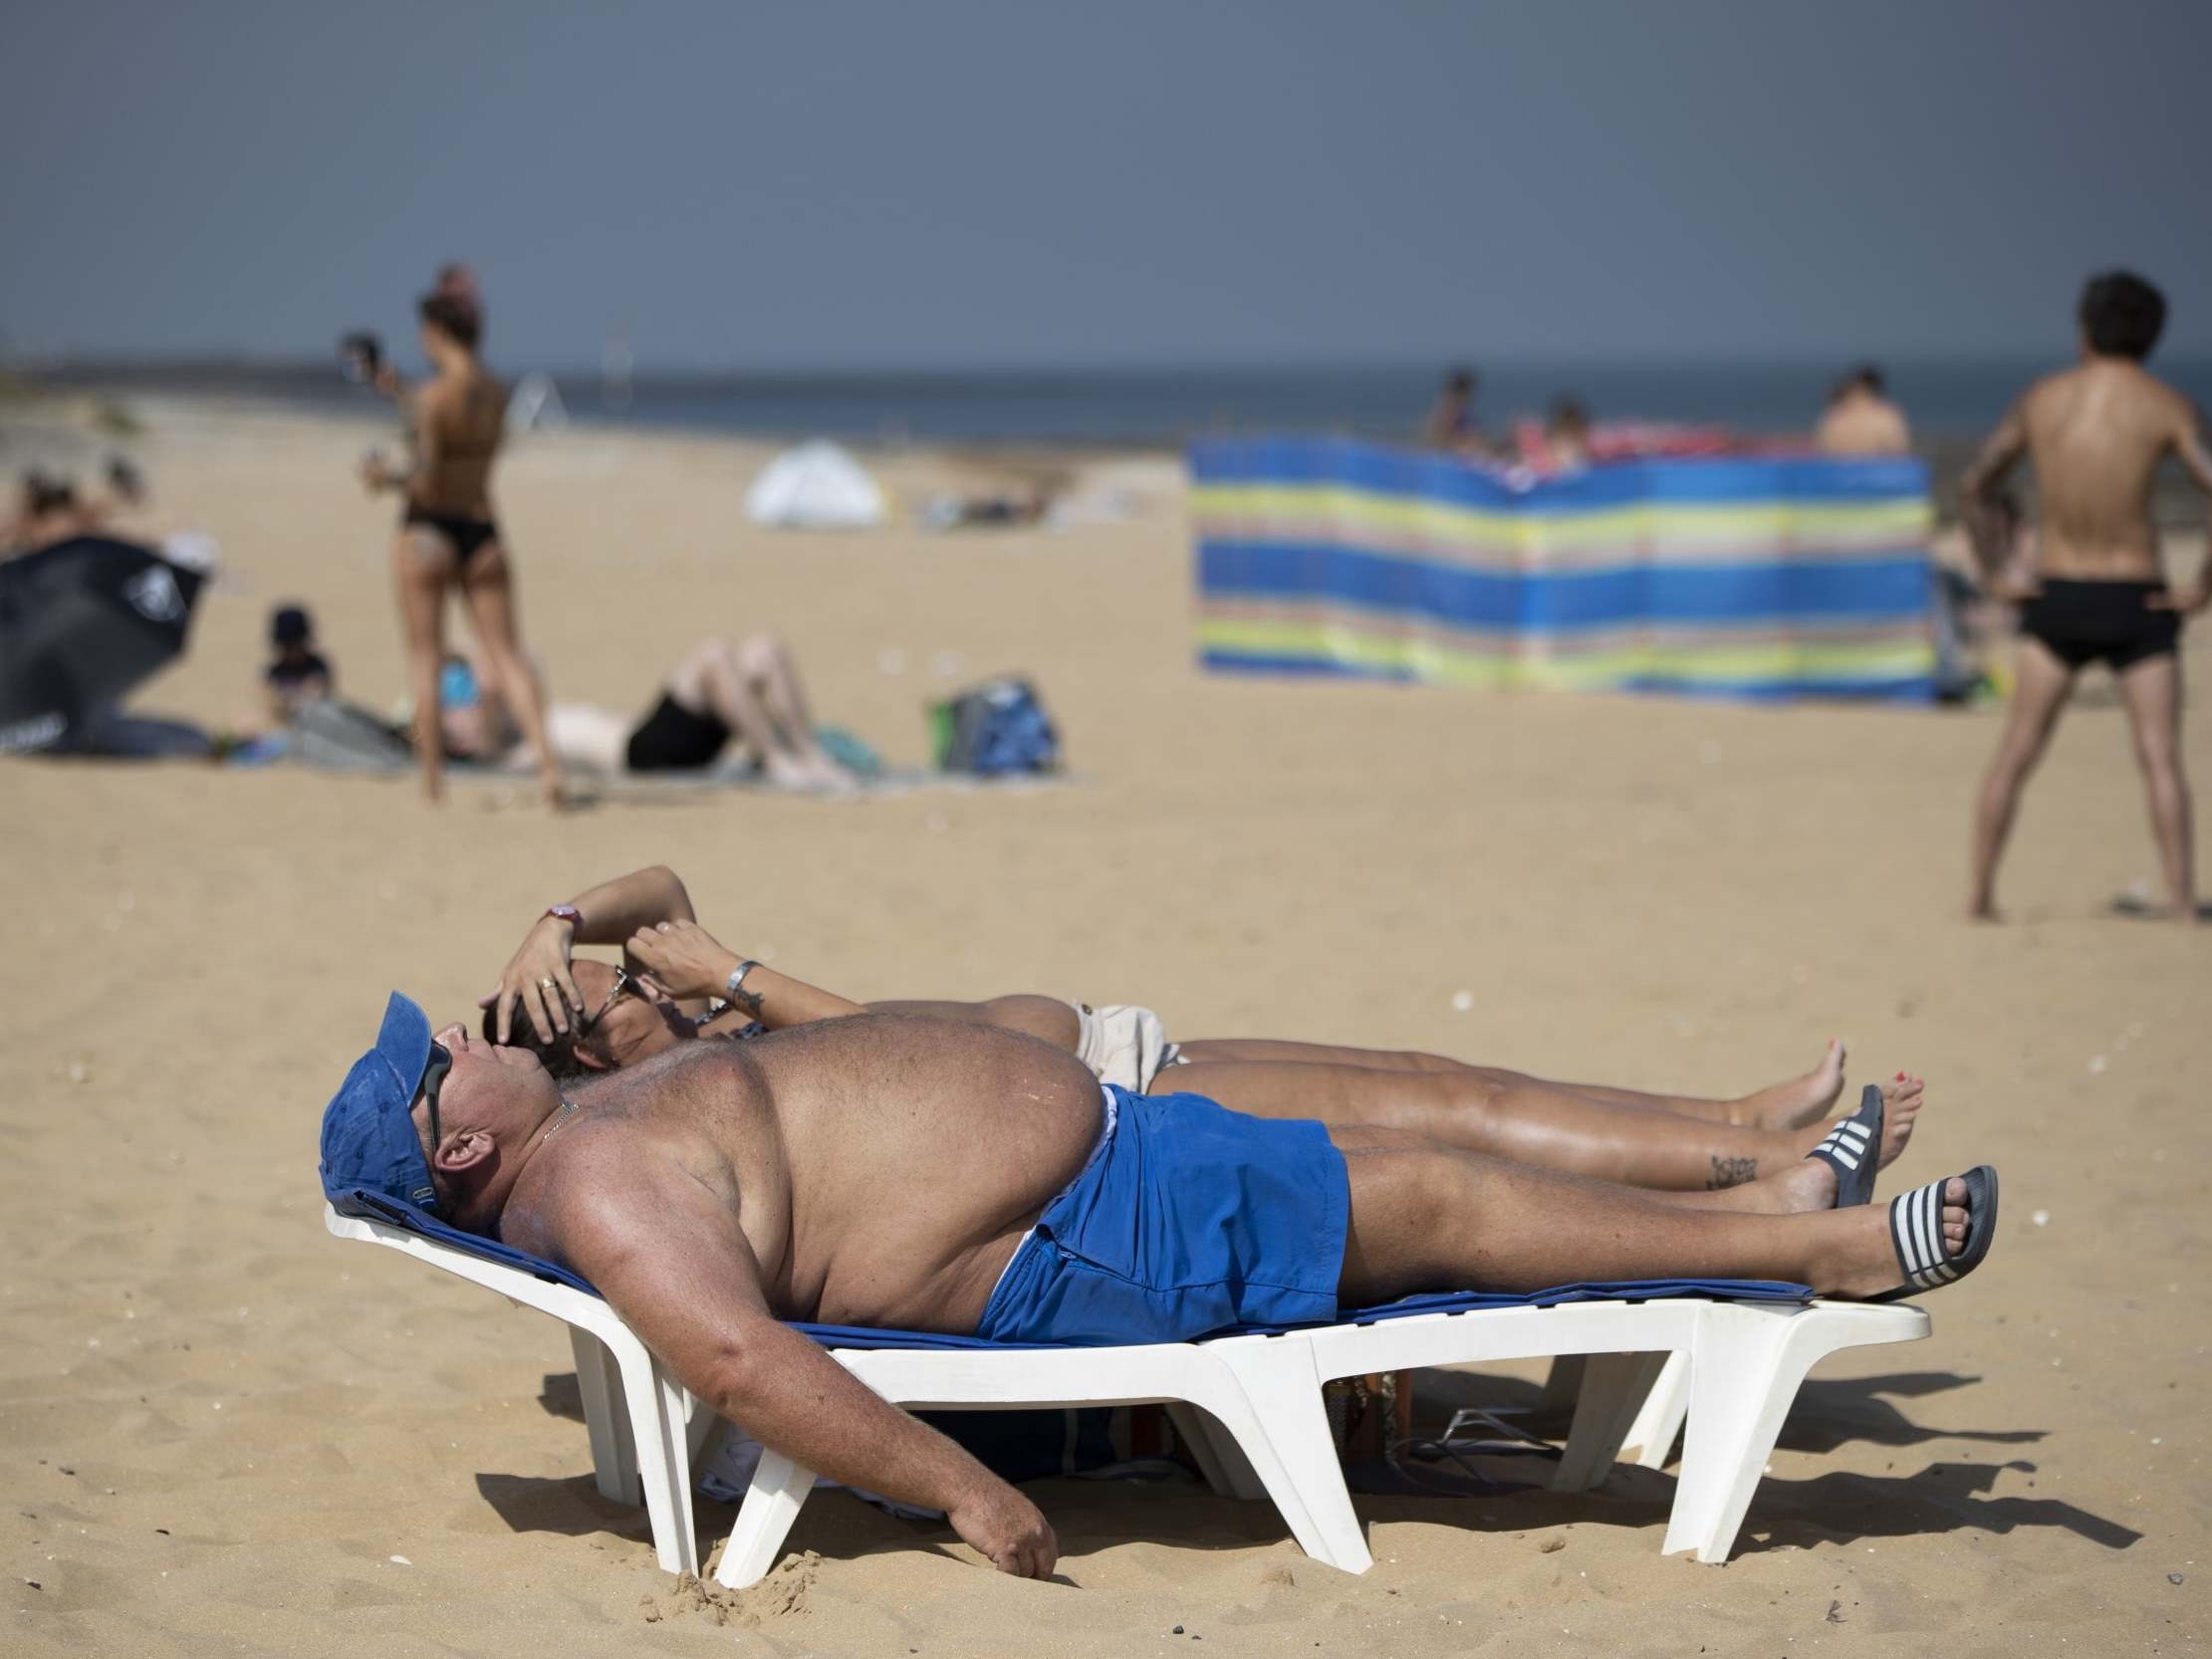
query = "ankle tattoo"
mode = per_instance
[{"x": 1732, "y": 1172}]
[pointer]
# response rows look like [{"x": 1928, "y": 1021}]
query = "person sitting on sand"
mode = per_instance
[
  {"x": 718, "y": 689},
  {"x": 889, "y": 1171},
  {"x": 583, "y": 1016},
  {"x": 1861, "y": 419},
  {"x": 2097, "y": 433},
  {"x": 300, "y": 674}
]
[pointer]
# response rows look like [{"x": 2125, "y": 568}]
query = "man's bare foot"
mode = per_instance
[
  {"x": 1801, "y": 1100},
  {"x": 1864, "y": 1263},
  {"x": 1983, "y": 910}
]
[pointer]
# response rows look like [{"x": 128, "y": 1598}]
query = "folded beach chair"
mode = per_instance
[{"x": 1249, "y": 1404}]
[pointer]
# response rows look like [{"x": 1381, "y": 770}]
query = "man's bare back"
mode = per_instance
[
  {"x": 2097, "y": 435},
  {"x": 912, "y": 1235},
  {"x": 1864, "y": 423}
]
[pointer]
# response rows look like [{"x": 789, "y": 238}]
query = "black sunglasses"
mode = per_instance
[{"x": 433, "y": 1079}]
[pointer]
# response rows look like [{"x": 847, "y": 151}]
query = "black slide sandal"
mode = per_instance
[
  {"x": 1853, "y": 1150},
  {"x": 1916, "y": 1233}
]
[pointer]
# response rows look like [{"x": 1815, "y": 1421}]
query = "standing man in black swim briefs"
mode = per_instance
[{"x": 2097, "y": 435}]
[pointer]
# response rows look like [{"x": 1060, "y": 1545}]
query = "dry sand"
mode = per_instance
[{"x": 220, "y": 1427}]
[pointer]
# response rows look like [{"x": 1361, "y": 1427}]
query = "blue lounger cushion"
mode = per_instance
[{"x": 373, "y": 1206}]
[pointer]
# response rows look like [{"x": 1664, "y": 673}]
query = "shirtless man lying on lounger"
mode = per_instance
[
  {"x": 586, "y": 1016},
  {"x": 723, "y": 1188}
]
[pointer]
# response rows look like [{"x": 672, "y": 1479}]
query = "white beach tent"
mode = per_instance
[
  {"x": 816, "y": 486},
  {"x": 536, "y": 405}
]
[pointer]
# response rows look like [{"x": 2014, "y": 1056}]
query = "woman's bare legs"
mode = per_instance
[
  {"x": 1465, "y": 1108},
  {"x": 1423, "y": 1217},
  {"x": 489, "y": 590},
  {"x": 753, "y": 689},
  {"x": 421, "y": 566},
  {"x": 767, "y": 661},
  {"x": 1791, "y": 1104}
]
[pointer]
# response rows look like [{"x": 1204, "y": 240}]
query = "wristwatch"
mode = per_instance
[
  {"x": 566, "y": 913},
  {"x": 737, "y": 978}
]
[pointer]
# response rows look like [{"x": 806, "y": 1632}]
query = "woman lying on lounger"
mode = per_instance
[{"x": 679, "y": 983}]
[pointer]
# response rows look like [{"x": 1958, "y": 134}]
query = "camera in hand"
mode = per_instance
[{"x": 361, "y": 354}]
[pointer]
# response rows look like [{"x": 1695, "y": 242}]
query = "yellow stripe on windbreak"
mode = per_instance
[{"x": 1247, "y": 511}]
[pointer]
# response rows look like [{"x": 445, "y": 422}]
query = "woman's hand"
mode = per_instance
[
  {"x": 537, "y": 979},
  {"x": 684, "y": 958}
]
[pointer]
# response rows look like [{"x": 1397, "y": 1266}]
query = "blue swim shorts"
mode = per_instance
[{"x": 1189, "y": 1219}]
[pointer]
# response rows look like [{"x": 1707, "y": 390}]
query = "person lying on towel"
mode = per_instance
[
  {"x": 892, "y": 1171},
  {"x": 584, "y": 1016}
]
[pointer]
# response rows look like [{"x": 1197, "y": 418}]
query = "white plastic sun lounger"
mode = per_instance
[{"x": 1249, "y": 1405}]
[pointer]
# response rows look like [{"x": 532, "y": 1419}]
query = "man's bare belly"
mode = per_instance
[{"x": 905, "y": 1209}]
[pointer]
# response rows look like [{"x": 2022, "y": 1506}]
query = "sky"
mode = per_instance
[{"x": 881, "y": 185}]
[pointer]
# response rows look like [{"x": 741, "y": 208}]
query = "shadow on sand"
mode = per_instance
[{"x": 1837, "y": 1507}]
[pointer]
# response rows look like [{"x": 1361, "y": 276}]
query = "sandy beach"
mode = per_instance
[{"x": 225, "y": 1433}]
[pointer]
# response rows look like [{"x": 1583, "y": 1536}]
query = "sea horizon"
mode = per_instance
[{"x": 1947, "y": 399}]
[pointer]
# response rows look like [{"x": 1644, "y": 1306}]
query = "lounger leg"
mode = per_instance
[
  {"x": 1564, "y": 1387},
  {"x": 661, "y": 1467},
  {"x": 698, "y": 1429},
  {"x": 763, "y": 1521},
  {"x": 1281, "y": 1426},
  {"x": 1744, "y": 1378},
  {"x": 1215, "y": 1452},
  {"x": 676, "y": 1419},
  {"x": 1660, "y": 1424},
  {"x": 1614, "y": 1387},
  {"x": 613, "y": 1450}
]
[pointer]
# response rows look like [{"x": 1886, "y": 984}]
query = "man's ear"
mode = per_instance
[
  {"x": 462, "y": 1150},
  {"x": 591, "y": 1059}
]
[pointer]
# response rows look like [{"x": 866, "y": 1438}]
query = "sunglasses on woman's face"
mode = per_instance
[{"x": 622, "y": 983}]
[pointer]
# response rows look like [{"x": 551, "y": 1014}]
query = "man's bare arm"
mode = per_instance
[
  {"x": 666, "y": 1252},
  {"x": 1989, "y": 522},
  {"x": 2194, "y": 447},
  {"x": 608, "y": 915}
]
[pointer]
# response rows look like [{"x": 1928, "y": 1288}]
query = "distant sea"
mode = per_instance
[{"x": 1946, "y": 401}]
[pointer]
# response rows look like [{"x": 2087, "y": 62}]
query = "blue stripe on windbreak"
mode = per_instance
[
  {"x": 1718, "y": 480},
  {"x": 1903, "y": 688},
  {"x": 1908, "y": 688},
  {"x": 1745, "y": 594},
  {"x": 1258, "y": 663}
]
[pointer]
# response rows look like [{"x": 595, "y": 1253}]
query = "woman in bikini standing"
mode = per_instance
[{"x": 448, "y": 538}]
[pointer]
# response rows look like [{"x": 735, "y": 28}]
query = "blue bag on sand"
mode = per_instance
[{"x": 998, "y": 729}]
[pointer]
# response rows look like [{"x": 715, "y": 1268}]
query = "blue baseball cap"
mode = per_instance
[{"x": 369, "y": 1142}]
